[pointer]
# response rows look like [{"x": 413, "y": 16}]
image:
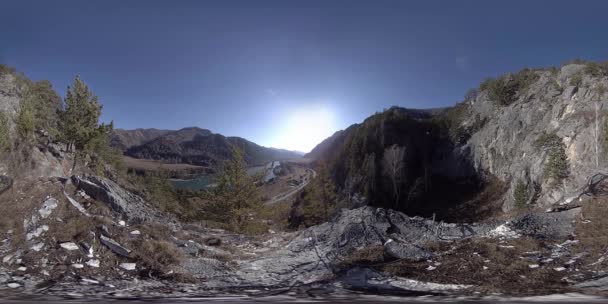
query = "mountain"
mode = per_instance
[
  {"x": 531, "y": 138},
  {"x": 202, "y": 147},
  {"x": 125, "y": 139}
]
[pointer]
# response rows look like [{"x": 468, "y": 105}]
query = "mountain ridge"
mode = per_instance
[{"x": 198, "y": 146}]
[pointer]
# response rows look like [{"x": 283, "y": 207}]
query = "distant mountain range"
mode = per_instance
[{"x": 192, "y": 146}]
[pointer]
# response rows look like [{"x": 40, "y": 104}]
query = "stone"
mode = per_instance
[
  {"x": 70, "y": 246},
  {"x": 128, "y": 205},
  {"x": 47, "y": 207},
  {"x": 7, "y": 258},
  {"x": 93, "y": 263},
  {"x": 88, "y": 248},
  {"x": 122, "y": 223},
  {"x": 114, "y": 246},
  {"x": 77, "y": 266},
  {"x": 135, "y": 232},
  {"x": 77, "y": 205},
  {"x": 13, "y": 285},
  {"x": 406, "y": 251},
  {"x": 37, "y": 247},
  {"x": 22, "y": 268},
  {"x": 213, "y": 242},
  {"x": 128, "y": 266},
  {"x": 37, "y": 232}
]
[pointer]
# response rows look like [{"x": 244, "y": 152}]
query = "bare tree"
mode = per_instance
[{"x": 393, "y": 165}]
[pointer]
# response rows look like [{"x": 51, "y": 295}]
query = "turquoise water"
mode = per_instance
[
  {"x": 203, "y": 181},
  {"x": 196, "y": 184}
]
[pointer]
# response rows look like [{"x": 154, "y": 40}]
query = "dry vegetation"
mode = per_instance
[
  {"x": 591, "y": 232},
  {"x": 488, "y": 264}
]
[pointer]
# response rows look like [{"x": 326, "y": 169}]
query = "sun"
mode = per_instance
[{"x": 304, "y": 128}]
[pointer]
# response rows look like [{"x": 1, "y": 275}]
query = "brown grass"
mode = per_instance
[
  {"x": 159, "y": 257},
  {"x": 464, "y": 261},
  {"x": 592, "y": 235}
]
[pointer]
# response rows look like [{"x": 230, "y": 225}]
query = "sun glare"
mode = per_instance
[{"x": 305, "y": 128}]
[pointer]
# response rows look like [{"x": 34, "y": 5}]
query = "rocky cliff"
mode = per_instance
[{"x": 540, "y": 132}]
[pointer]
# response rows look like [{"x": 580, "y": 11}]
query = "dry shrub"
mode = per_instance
[
  {"x": 157, "y": 256},
  {"x": 592, "y": 235},
  {"x": 463, "y": 262}
]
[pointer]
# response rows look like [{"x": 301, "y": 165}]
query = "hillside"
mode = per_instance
[
  {"x": 125, "y": 139},
  {"x": 201, "y": 147},
  {"x": 531, "y": 138}
]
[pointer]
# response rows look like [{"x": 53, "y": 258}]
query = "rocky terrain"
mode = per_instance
[
  {"x": 110, "y": 255},
  {"x": 506, "y": 131},
  {"x": 69, "y": 231}
]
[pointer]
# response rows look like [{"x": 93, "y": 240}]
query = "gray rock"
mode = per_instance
[
  {"x": 128, "y": 266},
  {"x": 93, "y": 263},
  {"x": 114, "y": 246},
  {"x": 76, "y": 204},
  {"x": 553, "y": 225},
  {"x": 47, "y": 207},
  {"x": 121, "y": 201},
  {"x": 406, "y": 251},
  {"x": 213, "y": 242},
  {"x": 37, "y": 247},
  {"x": 69, "y": 246}
]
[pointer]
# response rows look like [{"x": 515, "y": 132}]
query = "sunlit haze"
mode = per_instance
[{"x": 305, "y": 128}]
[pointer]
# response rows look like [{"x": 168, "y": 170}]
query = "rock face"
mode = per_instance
[
  {"x": 121, "y": 201},
  {"x": 502, "y": 139}
]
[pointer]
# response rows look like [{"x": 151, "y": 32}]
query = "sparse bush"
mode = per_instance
[
  {"x": 576, "y": 79},
  {"x": 504, "y": 90},
  {"x": 601, "y": 90},
  {"x": 547, "y": 140},
  {"x": 25, "y": 122},
  {"x": 557, "y": 166},
  {"x": 6, "y": 70},
  {"x": 4, "y": 132},
  {"x": 521, "y": 194},
  {"x": 597, "y": 69},
  {"x": 157, "y": 256},
  {"x": 471, "y": 94}
]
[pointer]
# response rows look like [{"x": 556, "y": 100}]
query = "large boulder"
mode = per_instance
[{"x": 126, "y": 204}]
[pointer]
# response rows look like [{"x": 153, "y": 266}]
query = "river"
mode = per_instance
[{"x": 203, "y": 181}]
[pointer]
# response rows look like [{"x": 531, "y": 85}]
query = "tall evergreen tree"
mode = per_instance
[
  {"x": 80, "y": 120},
  {"x": 235, "y": 193}
]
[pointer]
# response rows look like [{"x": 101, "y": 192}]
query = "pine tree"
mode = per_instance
[
  {"x": 520, "y": 194},
  {"x": 235, "y": 193},
  {"x": 80, "y": 120}
]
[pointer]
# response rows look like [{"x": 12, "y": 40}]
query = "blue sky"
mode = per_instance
[{"x": 262, "y": 69}]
